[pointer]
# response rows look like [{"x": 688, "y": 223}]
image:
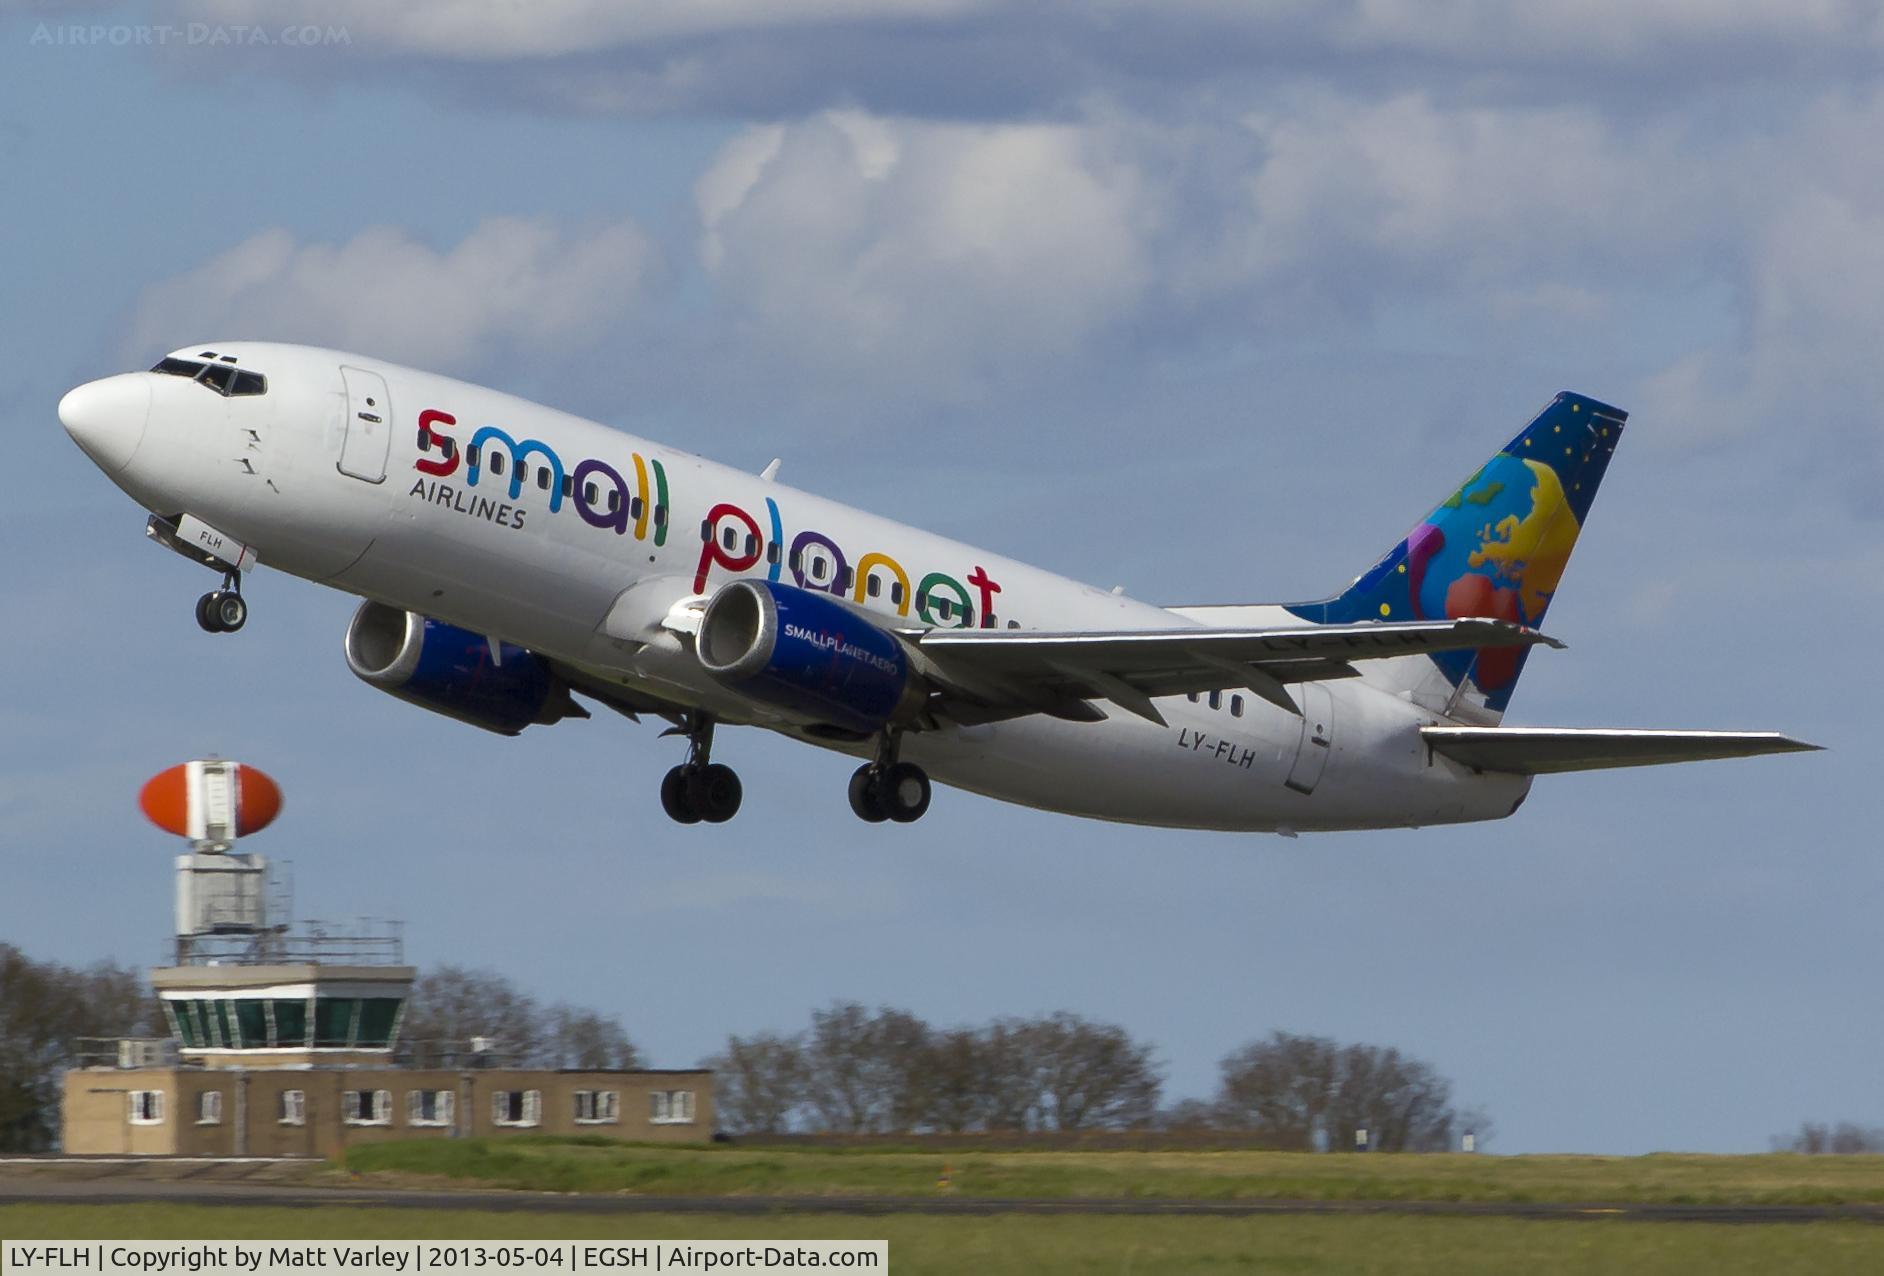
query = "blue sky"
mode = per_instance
[{"x": 1209, "y": 305}]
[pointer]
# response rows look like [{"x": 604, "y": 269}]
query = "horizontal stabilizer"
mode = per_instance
[{"x": 1544, "y": 750}]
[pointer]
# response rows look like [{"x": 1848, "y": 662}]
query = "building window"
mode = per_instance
[
  {"x": 146, "y": 1107},
  {"x": 366, "y": 1107},
  {"x": 517, "y": 1107},
  {"x": 209, "y": 1107},
  {"x": 429, "y": 1107},
  {"x": 292, "y": 1109},
  {"x": 671, "y": 1107},
  {"x": 597, "y": 1107}
]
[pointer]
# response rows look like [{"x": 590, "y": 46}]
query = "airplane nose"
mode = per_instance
[{"x": 106, "y": 418}]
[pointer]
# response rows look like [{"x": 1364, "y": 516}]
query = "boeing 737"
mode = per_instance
[{"x": 512, "y": 558}]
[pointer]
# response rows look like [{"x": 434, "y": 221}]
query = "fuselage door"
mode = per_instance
[
  {"x": 1311, "y": 756},
  {"x": 369, "y": 425}
]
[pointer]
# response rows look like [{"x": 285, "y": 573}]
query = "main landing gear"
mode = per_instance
[
  {"x": 699, "y": 788},
  {"x": 222, "y": 611},
  {"x": 887, "y": 789}
]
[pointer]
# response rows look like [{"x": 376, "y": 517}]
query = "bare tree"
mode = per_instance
[
  {"x": 1010, "y": 1075},
  {"x": 1305, "y": 1092},
  {"x": 1846, "y": 1138},
  {"x": 1280, "y": 1088},
  {"x": 758, "y": 1082},
  {"x": 44, "y": 1008},
  {"x": 865, "y": 1073},
  {"x": 576, "y": 1038},
  {"x": 1094, "y": 1075},
  {"x": 959, "y": 1077}
]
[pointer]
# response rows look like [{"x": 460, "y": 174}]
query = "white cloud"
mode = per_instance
[
  {"x": 510, "y": 281},
  {"x": 896, "y": 245}
]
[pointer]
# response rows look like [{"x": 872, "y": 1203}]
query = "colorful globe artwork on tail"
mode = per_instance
[{"x": 1495, "y": 548}]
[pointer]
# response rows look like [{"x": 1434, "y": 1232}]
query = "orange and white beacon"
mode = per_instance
[
  {"x": 212, "y": 802},
  {"x": 223, "y": 896}
]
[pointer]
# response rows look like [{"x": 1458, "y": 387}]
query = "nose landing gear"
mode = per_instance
[
  {"x": 888, "y": 789},
  {"x": 701, "y": 789},
  {"x": 222, "y": 611}
]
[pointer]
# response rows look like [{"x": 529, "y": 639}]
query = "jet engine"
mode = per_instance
[
  {"x": 493, "y": 685},
  {"x": 808, "y": 655}
]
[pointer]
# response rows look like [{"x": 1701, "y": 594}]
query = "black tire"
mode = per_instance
[
  {"x": 863, "y": 796},
  {"x": 205, "y": 614},
  {"x": 715, "y": 792},
  {"x": 674, "y": 797},
  {"x": 903, "y": 792},
  {"x": 231, "y": 612}
]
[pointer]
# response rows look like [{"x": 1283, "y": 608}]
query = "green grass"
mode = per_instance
[
  {"x": 1013, "y": 1243},
  {"x": 603, "y": 1165}
]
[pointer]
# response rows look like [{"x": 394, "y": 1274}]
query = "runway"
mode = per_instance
[{"x": 186, "y": 1191}]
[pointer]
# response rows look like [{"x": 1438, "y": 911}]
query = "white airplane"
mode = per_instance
[{"x": 511, "y": 555}]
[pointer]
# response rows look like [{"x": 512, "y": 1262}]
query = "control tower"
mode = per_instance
[
  {"x": 248, "y": 987},
  {"x": 285, "y": 1036}
]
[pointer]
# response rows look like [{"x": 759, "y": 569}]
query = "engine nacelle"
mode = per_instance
[
  {"x": 808, "y": 655},
  {"x": 454, "y": 672}
]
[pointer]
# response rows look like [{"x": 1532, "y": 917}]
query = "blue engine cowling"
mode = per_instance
[
  {"x": 453, "y": 671},
  {"x": 809, "y": 655}
]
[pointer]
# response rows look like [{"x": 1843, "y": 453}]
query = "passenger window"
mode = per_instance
[
  {"x": 1216, "y": 700},
  {"x": 873, "y": 586},
  {"x": 471, "y": 455},
  {"x": 634, "y": 507},
  {"x": 896, "y": 592},
  {"x": 945, "y": 608},
  {"x": 1191, "y": 696},
  {"x": 497, "y": 462},
  {"x": 1013, "y": 624},
  {"x": 614, "y": 500},
  {"x": 523, "y": 471},
  {"x": 569, "y": 486},
  {"x": 1236, "y": 706},
  {"x": 425, "y": 439},
  {"x": 706, "y": 531},
  {"x": 660, "y": 516},
  {"x": 752, "y": 545},
  {"x": 729, "y": 538},
  {"x": 850, "y": 578},
  {"x": 772, "y": 552},
  {"x": 588, "y": 494}
]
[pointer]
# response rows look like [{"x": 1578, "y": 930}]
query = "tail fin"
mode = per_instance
[{"x": 1496, "y": 547}]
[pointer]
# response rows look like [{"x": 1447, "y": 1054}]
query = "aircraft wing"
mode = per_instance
[
  {"x": 1543, "y": 750},
  {"x": 1003, "y": 673}
]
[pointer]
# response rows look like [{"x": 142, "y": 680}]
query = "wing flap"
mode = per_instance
[
  {"x": 1007, "y": 672},
  {"x": 1549, "y": 750}
]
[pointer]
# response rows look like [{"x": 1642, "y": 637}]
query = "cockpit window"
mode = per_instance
[{"x": 220, "y": 377}]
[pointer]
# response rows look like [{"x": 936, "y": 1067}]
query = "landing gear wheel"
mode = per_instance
[
  {"x": 674, "y": 799},
  {"x": 231, "y": 613},
  {"x": 902, "y": 791},
  {"x": 714, "y": 791},
  {"x": 205, "y": 615},
  {"x": 863, "y": 795}
]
